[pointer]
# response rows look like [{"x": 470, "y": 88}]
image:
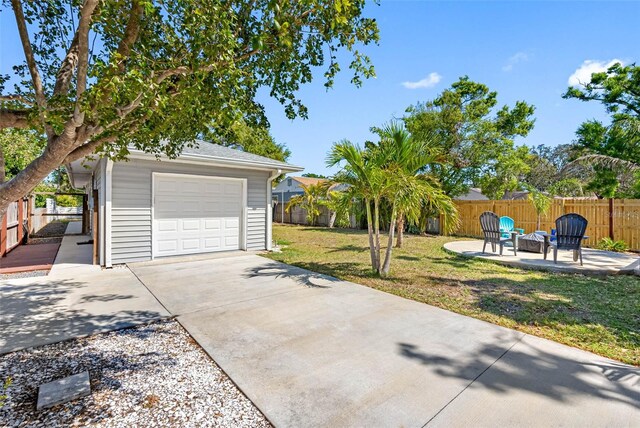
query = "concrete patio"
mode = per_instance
[{"x": 596, "y": 262}]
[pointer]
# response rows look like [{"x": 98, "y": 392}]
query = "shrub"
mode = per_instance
[{"x": 609, "y": 244}]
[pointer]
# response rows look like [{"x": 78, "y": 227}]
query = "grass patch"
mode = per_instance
[{"x": 600, "y": 315}]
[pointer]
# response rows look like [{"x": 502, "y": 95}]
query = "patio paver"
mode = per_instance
[{"x": 596, "y": 262}]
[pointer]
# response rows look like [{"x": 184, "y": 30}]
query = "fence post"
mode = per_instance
[
  {"x": 20, "y": 219},
  {"x": 3, "y": 236},
  {"x": 29, "y": 215},
  {"x": 85, "y": 214},
  {"x": 611, "y": 220}
]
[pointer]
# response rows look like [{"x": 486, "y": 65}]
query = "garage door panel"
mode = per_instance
[
  {"x": 190, "y": 225},
  {"x": 212, "y": 243},
  {"x": 167, "y": 225},
  {"x": 194, "y": 215},
  {"x": 166, "y": 247},
  {"x": 212, "y": 224}
]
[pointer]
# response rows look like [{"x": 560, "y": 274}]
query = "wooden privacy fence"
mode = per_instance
[
  {"x": 13, "y": 226},
  {"x": 613, "y": 218}
]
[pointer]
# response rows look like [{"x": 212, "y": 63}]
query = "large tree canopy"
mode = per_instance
[
  {"x": 612, "y": 151},
  {"x": 467, "y": 130},
  {"x": 100, "y": 75}
]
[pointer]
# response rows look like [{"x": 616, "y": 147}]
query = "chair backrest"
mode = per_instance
[
  {"x": 570, "y": 229},
  {"x": 490, "y": 224},
  {"x": 506, "y": 224}
]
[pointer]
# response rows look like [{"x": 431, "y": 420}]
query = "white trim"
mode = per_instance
[
  {"x": 269, "y": 220},
  {"x": 244, "y": 213},
  {"x": 107, "y": 206},
  {"x": 214, "y": 161}
]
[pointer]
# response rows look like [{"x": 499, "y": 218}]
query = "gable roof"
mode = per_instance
[
  {"x": 79, "y": 171},
  {"x": 307, "y": 181},
  {"x": 206, "y": 150}
]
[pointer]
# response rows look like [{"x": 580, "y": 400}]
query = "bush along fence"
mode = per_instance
[
  {"x": 298, "y": 215},
  {"x": 618, "y": 219}
]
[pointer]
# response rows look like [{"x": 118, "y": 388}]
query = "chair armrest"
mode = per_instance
[{"x": 521, "y": 231}]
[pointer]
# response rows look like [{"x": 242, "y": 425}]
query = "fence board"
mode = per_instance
[{"x": 625, "y": 217}]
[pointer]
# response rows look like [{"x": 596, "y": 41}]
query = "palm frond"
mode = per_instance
[{"x": 604, "y": 161}]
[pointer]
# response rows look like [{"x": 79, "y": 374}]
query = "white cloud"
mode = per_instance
[
  {"x": 515, "y": 59},
  {"x": 428, "y": 82},
  {"x": 583, "y": 74}
]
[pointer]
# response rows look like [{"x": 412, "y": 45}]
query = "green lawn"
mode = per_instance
[{"x": 601, "y": 315}]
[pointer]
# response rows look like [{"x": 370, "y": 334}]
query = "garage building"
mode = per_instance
[{"x": 211, "y": 198}]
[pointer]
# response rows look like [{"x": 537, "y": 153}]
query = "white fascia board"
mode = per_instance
[{"x": 222, "y": 162}]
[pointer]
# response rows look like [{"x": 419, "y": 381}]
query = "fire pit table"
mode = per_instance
[{"x": 532, "y": 243}]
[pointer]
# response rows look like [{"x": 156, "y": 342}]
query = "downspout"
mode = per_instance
[
  {"x": 107, "y": 213},
  {"x": 275, "y": 174}
]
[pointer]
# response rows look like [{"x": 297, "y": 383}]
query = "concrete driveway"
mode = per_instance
[
  {"x": 311, "y": 351},
  {"x": 76, "y": 299}
]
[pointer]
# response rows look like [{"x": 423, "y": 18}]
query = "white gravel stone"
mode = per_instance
[{"x": 151, "y": 375}]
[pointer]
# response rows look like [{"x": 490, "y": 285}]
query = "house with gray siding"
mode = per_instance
[{"x": 211, "y": 198}]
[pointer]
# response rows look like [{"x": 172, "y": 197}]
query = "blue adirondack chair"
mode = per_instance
[{"x": 507, "y": 225}]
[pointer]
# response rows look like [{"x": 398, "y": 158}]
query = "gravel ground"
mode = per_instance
[
  {"x": 55, "y": 228},
  {"x": 49, "y": 240},
  {"x": 32, "y": 274},
  {"x": 149, "y": 376}
]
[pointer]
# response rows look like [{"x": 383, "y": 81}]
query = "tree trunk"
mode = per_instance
[
  {"x": 332, "y": 218},
  {"x": 36, "y": 171},
  {"x": 376, "y": 234},
  {"x": 387, "y": 257},
  {"x": 538, "y": 222},
  {"x": 372, "y": 248},
  {"x": 400, "y": 239}
]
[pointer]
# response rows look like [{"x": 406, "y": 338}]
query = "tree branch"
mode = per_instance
[
  {"x": 83, "y": 54},
  {"x": 68, "y": 66},
  {"x": 18, "y": 98},
  {"x": 14, "y": 118},
  {"x": 31, "y": 61},
  {"x": 88, "y": 148},
  {"x": 131, "y": 32}
]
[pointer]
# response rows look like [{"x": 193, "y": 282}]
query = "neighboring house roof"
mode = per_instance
[
  {"x": 474, "y": 194},
  {"x": 308, "y": 181},
  {"x": 516, "y": 196}
]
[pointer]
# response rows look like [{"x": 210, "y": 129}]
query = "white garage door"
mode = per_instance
[{"x": 196, "y": 214}]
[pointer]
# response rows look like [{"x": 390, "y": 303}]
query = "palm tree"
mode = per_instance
[
  {"x": 412, "y": 156},
  {"x": 365, "y": 180},
  {"x": 401, "y": 158},
  {"x": 541, "y": 203},
  {"x": 310, "y": 201},
  {"x": 604, "y": 161},
  {"x": 388, "y": 171}
]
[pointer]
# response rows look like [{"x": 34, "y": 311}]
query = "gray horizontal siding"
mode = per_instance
[{"x": 131, "y": 205}]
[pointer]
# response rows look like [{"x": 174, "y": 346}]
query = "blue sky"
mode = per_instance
[{"x": 523, "y": 50}]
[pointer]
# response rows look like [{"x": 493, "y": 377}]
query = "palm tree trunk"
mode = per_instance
[
  {"x": 387, "y": 257},
  {"x": 376, "y": 230},
  {"x": 332, "y": 218},
  {"x": 400, "y": 222},
  {"x": 538, "y": 222},
  {"x": 372, "y": 248}
]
